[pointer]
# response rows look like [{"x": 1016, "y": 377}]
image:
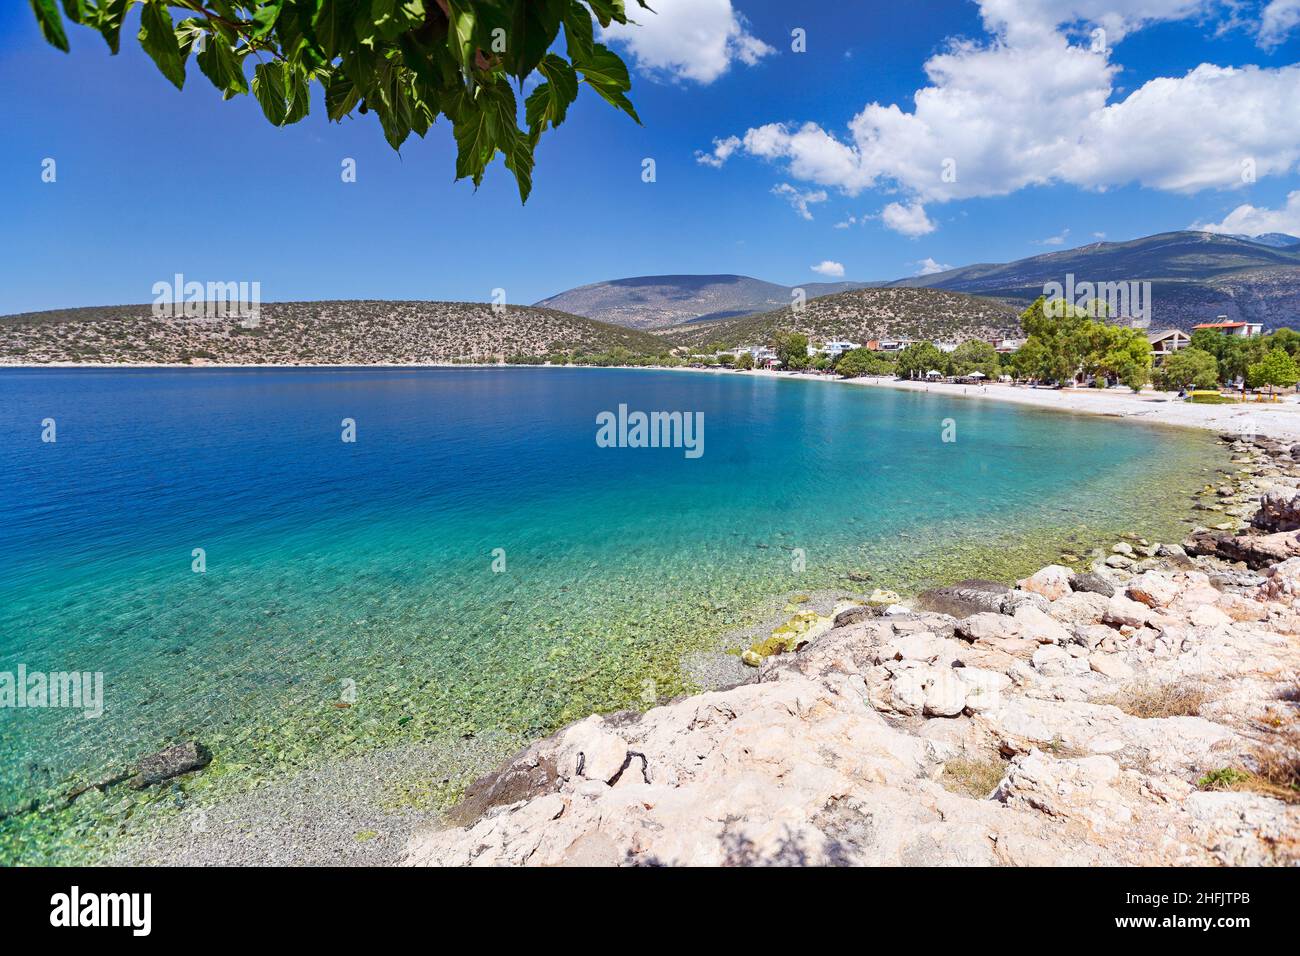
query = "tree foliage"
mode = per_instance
[
  {"x": 1063, "y": 348},
  {"x": 858, "y": 362},
  {"x": 919, "y": 358},
  {"x": 792, "y": 349},
  {"x": 1188, "y": 368},
  {"x": 1276, "y": 369},
  {"x": 406, "y": 61}
]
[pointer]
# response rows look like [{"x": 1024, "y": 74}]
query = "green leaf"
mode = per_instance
[
  {"x": 461, "y": 38},
  {"x": 51, "y": 23},
  {"x": 298, "y": 95},
  {"x": 341, "y": 96},
  {"x": 111, "y": 16},
  {"x": 76, "y": 10},
  {"x": 332, "y": 27},
  {"x": 264, "y": 18},
  {"x": 607, "y": 75},
  {"x": 268, "y": 88},
  {"x": 548, "y": 104},
  {"x": 220, "y": 65},
  {"x": 534, "y": 29},
  {"x": 578, "y": 35},
  {"x": 609, "y": 10},
  {"x": 158, "y": 37}
]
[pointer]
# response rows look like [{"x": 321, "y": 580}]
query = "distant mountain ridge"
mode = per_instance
[
  {"x": 1194, "y": 276},
  {"x": 657, "y": 302}
]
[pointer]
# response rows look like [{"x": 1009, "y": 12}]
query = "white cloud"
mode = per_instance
[
  {"x": 722, "y": 150},
  {"x": 1057, "y": 240},
  {"x": 695, "y": 40},
  {"x": 1248, "y": 220},
  {"x": 800, "y": 199},
  {"x": 846, "y": 222},
  {"x": 835, "y": 270},
  {"x": 929, "y": 267},
  {"x": 1030, "y": 107},
  {"x": 1277, "y": 21},
  {"x": 909, "y": 220}
]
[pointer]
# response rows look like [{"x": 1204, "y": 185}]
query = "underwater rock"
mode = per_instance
[{"x": 172, "y": 762}]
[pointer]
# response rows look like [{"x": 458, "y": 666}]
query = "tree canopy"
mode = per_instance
[
  {"x": 1188, "y": 368},
  {"x": 1275, "y": 370},
  {"x": 1062, "y": 347},
  {"x": 406, "y": 61}
]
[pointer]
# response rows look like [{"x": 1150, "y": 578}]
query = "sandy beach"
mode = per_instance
[{"x": 1280, "y": 420}]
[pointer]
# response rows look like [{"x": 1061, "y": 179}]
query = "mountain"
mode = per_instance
[
  {"x": 1194, "y": 276},
  {"x": 862, "y": 315},
  {"x": 327, "y": 333},
  {"x": 1277, "y": 240},
  {"x": 656, "y": 302}
]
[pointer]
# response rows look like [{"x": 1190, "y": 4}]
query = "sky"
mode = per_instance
[{"x": 791, "y": 142}]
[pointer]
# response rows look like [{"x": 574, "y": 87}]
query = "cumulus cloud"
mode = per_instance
[
  {"x": 721, "y": 152},
  {"x": 800, "y": 199},
  {"x": 1033, "y": 107},
  {"x": 1248, "y": 220},
  {"x": 929, "y": 267},
  {"x": 1277, "y": 21},
  {"x": 835, "y": 270},
  {"x": 910, "y": 220},
  {"x": 1056, "y": 240},
  {"x": 695, "y": 40}
]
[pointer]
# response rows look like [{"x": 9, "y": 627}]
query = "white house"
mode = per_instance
[{"x": 1246, "y": 330}]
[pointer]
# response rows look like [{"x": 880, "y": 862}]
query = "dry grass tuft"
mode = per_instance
[
  {"x": 973, "y": 778},
  {"x": 1148, "y": 700},
  {"x": 1276, "y": 770}
]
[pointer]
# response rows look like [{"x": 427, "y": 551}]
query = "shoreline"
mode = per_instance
[{"x": 1280, "y": 420}]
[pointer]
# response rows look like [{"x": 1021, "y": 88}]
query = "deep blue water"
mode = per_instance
[{"x": 371, "y": 562}]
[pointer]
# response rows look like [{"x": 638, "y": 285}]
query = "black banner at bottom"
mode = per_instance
[{"x": 333, "y": 906}]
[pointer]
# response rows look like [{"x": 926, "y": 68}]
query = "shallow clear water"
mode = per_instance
[{"x": 371, "y": 563}]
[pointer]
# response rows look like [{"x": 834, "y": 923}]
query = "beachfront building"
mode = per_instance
[
  {"x": 947, "y": 347},
  {"x": 763, "y": 356},
  {"x": 1166, "y": 343},
  {"x": 1006, "y": 346},
  {"x": 832, "y": 350},
  {"x": 1245, "y": 330},
  {"x": 888, "y": 345}
]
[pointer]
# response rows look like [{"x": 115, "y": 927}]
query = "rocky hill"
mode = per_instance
[
  {"x": 328, "y": 333},
  {"x": 656, "y": 302},
  {"x": 862, "y": 315},
  {"x": 1194, "y": 276}
]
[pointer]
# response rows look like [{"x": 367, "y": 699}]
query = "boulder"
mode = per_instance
[
  {"x": 945, "y": 693},
  {"x": 1109, "y": 665},
  {"x": 1052, "y": 582},
  {"x": 963, "y": 598},
  {"x": 1123, "y": 611},
  {"x": 882, "y": 598},
  {"x": 172, "y": 762},
  {"x": 1093, "y": 583},
  {"x": 1279, "y": 510},
  {"x": 1035, "y": 625},
  {"x": 1282, "y": 582},
  {"x": 589, "y": 750},
  {"x": 1255, "y": 550},
  {"x": 856, "y": 615},
  {"x": 1154, "y": 589}
]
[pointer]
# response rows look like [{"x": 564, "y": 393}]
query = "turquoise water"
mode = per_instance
[{"x": 362, "y": 573}]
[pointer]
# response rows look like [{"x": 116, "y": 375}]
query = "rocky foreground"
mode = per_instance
[{"x": 1145, "y": 711}]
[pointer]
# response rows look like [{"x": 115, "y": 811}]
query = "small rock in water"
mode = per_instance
[{"x": 169, "y": 763}]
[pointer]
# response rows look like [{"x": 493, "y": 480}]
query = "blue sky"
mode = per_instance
[{"x": 1056, "y": 141}]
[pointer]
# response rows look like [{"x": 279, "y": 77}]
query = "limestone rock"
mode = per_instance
[{"x": 1052, "y": 582}]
